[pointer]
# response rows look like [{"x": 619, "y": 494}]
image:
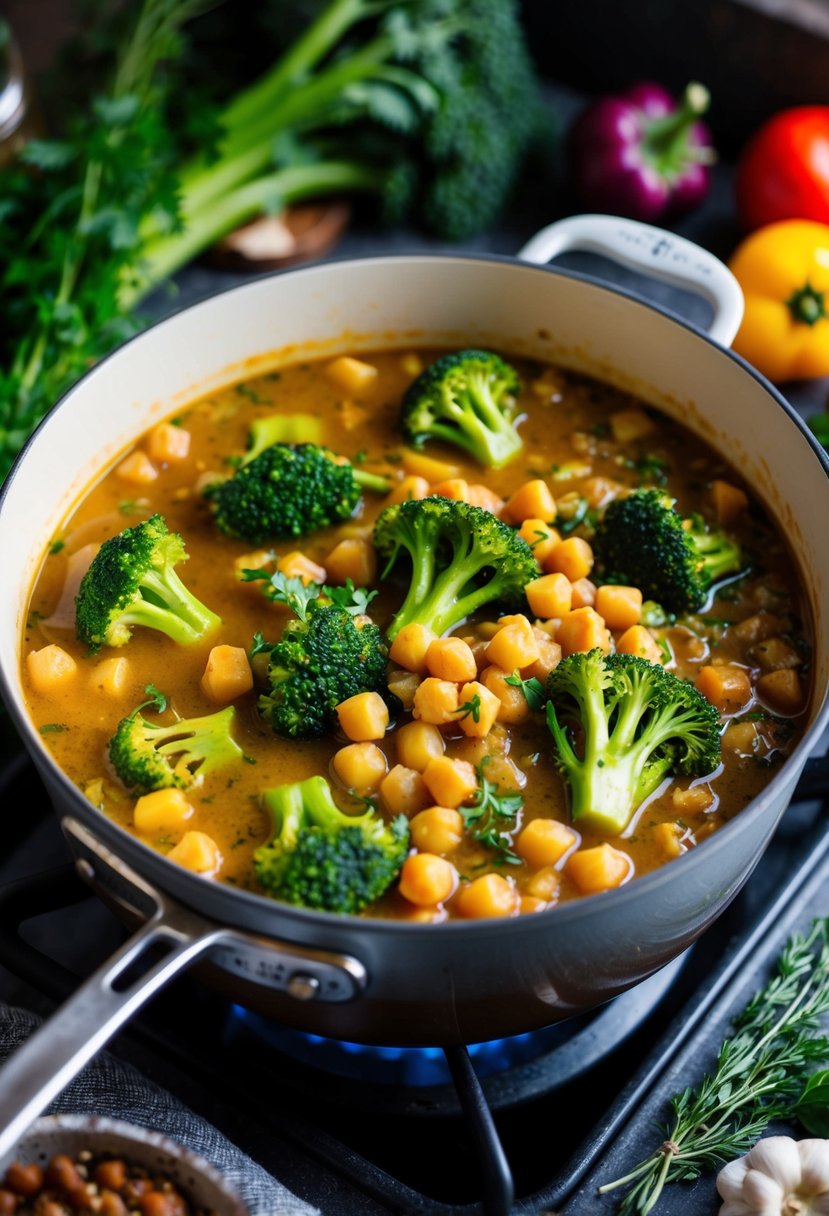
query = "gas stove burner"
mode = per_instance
[
  {"x": 415, "y": 1066},
  {"x": 513, "y": 1068}
]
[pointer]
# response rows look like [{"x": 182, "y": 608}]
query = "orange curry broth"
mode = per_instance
[{"x": 567, "y": 438}]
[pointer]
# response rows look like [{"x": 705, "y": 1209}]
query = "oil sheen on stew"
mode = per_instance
[{"x": 466, "y": 766}]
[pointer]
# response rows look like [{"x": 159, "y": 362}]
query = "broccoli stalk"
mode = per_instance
[
  {"x": 147, "y": 756},
  {"x": 332, "y": 652},
  {"x": 281, "y": 428},
  {"x": 430, "y": 105},
  {"x": 132, "y": 581},
  {"x": 462, "y": 558},
  {"x": 637, "y": 723},
  {"x": 287, "y": 490},
  {"x": 467, "y": 399},
  {"x": 319, "y": 857},
  {"x": 643, "y": 540}
]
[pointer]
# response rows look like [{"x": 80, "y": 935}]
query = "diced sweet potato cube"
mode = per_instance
[
  {"x": 450, "y": 782},
  {"x": 436, "y": 701},
  {"x": 757, "y": 628},
  {"x": 528, "y": 905},
  {"x": 573, "y": 557},
  {"x": 404, "y": 792},
  {"x": 50, "y": 669},
  {"x": 427, "y": 879},
  {"x": 549, "y": 657},
  {"x": 693, "y": 800},
  {"x": 353, "y": 415},
  {"x": 583, "y": 629},
  {"x": 351, "y": 375},
  {"x": 514, "y": 645},
  {"x": 360, "y": 766},
  {"x": 353, "y": 558},
  {"x": 481, "y": 709},
  {"x": 729, "y": 502},
  {"x": 628, "y": 425},
  {"x": 111, "y": 676},
  {"x": 583, "y": 593},
  {"x": 417, "y": 743},
  {"x": 774, "y": 654},
  {"x": 296, "y": 565},
  {"x": 420, "y": 465},
  {"x": 543, "y": 842},
  {"x": 599, "y": 491},
  {"x": 137, "y": 469},
  {"x": 455, "y": 488},
  {"x": 478, "y": 495},
  {"x": 227, "y": 674},
  {"x": 544, "y": 884},
  {"x": 667, "y": 837},
  {"x": 781, "y": 690},
  {"x": 198, "y": 852},
  {"x": 741, "y": 737},
  {"x": 489, "y": 895},
  {"x": 620, "y": 606},
  {"x": 514, "y": 707},
  {"x": 162, "y": 813},
  {"x": 639, "y": 641},
  {"x": 451, "y": 659},
  {"x": 598, "y": 869},
  {"x": 727, "y": 686},
  {"x": 550, "y": 595},
  {"x": 363, "y": 717},
  {"x": 438, "y": 829},
  {"x": 541, "y": 537},
  {"x": 410, "y": 647},
  {"x": 532, "y": 500},
  {"x": 167, "y": 444},
  {"x": 404, "y": 684},
  {"x": 410, "y": 487}
]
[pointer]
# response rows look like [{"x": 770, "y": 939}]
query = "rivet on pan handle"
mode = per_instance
[
  {"x": 653, "y": 252},
  {"x": 51, "y": 1057}
]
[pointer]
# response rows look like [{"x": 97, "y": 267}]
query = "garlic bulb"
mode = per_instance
[{"x": 779, "y": 1177}]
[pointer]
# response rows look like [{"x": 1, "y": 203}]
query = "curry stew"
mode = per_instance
[{"x": 584, "y": 445}]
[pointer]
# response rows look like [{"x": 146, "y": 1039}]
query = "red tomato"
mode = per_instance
[{"x": 783, "y": 172}]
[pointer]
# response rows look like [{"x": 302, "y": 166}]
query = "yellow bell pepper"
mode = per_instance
[{"x": 783, "y": 270}]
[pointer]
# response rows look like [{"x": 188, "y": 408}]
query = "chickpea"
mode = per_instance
[
  {"x": 23, "y": 1179},
  {"x": 437, "y": 830},
  {"x": 427, "y": 880}
]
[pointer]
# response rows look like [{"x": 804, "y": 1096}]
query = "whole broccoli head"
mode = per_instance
[
  {"x": 148, "y": 757},
  {"x": 636, "y": 723},
  {"x": 332, "y": 652},
  {"x": 468, "y": 399},
  {"x": 132, "y": 581},
  {"x": 462, "y": 557},
  {"x": 289, "y": 489},
  {"x": 319, "y": 857},
  {"x": 642, "y": 540}
]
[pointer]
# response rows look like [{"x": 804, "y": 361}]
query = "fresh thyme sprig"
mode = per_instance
[
  {"x": 760, "y": 1075},
  {"x": 493, "y": 816}
]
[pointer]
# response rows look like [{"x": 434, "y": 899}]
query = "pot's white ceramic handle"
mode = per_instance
[{"x": 653, "y": 252}]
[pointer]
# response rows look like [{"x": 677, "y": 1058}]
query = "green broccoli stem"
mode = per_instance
[
  {"x": 372, "y": 481},
  {"x": 162, "y": 256},
  {"x": 718, "y": 554},
  {"x": 442, "y": 604},
  {"x": 172, "y": 609}
]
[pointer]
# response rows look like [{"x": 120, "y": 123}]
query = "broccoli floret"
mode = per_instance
[
  {"x": 147, "y": 756},
  {"x": 332, "y": 652},
  {"x": 636, "y": 723},
  {"x": 320, "y": 857},
  {"x": 131, "y": 581},
  {"x": 287, "y": 490},
  {"x": 462, "y": 558},
  {"x": 643, "y": 540},
  {"x": 468, "y": 399},
  {"x": 281, "y": 428}
]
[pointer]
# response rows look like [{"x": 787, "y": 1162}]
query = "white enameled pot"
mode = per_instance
[{"x": 379, "y": 981}]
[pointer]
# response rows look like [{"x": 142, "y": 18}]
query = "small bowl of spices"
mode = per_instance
[{"x": 85, "y": 1165}]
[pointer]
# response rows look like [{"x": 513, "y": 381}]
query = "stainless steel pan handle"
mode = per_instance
[{"x": 55, "y": 1053}]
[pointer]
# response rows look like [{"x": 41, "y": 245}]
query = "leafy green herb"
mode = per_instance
[
  {"x": 259, "y": 646},
  {"x": 651, "y": 470},
  {"x": 491, "y": 816},
  {"x": 298, "y": 595},
  {"x": 812, "y": 1107},
  {"x": 250, "y": 394},
  {"x": 532, "y": 689},
  {"x": 158, "y": 700},
  {"x": 580, "y": 514},
  {"x": 472, "y": 707},
  {"x": 56, "y": 546},
  {"x": 761, "y": 1074},
  {"x": 52, "y": 728}
]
